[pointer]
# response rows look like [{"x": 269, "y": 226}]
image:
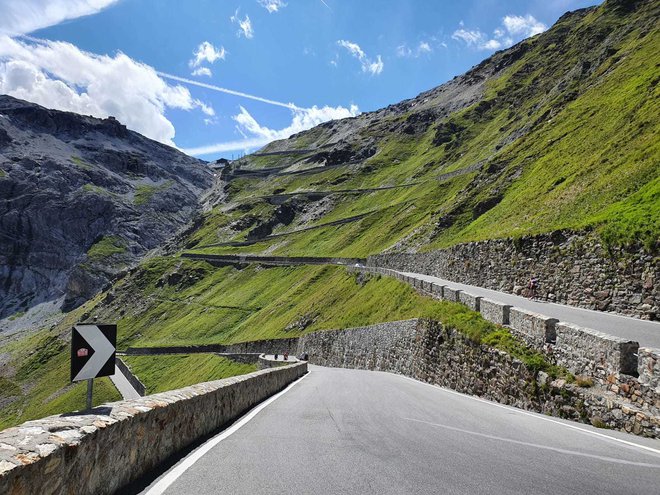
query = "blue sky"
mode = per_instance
[{"x": 330, "y": 58}]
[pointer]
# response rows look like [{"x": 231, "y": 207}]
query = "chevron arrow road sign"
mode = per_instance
[{"x": 93, "y": 351}]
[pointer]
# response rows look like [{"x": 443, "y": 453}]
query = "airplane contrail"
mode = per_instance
[
  {"x": 220, "y": 89},
  {"x": 184, "y": 80},
  {"x": 323, "y": 2}
]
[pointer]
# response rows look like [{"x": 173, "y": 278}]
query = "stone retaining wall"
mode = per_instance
[
  {"x": 572, "y": 268},
  {"x": 427, "y": 351},
  {"x": 121, "y": 441}
]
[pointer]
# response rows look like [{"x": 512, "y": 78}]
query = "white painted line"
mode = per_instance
[
  {"x": 183, "y": 465},
  {"x": 536, "y": 445},
  {"x": 538, "y": 416}
]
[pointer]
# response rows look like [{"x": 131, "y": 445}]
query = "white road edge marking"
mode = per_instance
[
  {"x": 536, "y": 445},
  {"x": 537, "y": 416},
  {"x": 183, "y": 465}
]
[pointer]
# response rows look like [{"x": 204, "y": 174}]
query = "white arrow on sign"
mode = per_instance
[{"x": 103, "y": 349}]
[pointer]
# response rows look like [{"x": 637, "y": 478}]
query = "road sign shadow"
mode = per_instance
[{"x": 99, "y": 410}]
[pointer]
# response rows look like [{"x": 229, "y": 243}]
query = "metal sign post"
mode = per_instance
[
  {"x": 90, "y": 392},
  {"x": 92, "y": 354}
]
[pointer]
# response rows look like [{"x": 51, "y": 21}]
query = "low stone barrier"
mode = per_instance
[
  {"x": 586, "y": 351},
  {"x": 438, "y": 291},
  {"x": 536, "y": 329},
  {"x": 649, "y": 367},
  {"x": 121, "y": 441},
  {"x": 494, "y": 312},
  {"x": 581, "y": 350},
  {"x": 470, "y": 300},
  {"x": 449, "y": 294},
  {"x": 264, "y": 362},
  {"x": 252, "y": 347},
  {"x": 271, "y": 260},
  {"x": 135, "y": 382}
]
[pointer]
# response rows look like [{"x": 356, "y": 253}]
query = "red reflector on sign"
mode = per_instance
[{"x": 83, "y": 352}]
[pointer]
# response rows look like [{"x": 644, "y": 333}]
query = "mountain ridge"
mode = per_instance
[{"x": 81, "y": 199}]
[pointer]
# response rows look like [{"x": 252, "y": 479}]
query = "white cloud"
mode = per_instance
[
  {"x": 59, "y": 75},
  {"x": 470, "y": 37},
  {"x": 424, "y": 47},
  {"x": 206, "y": 52},
  {"x": 202, "y": 71},
  {"x": 523, "y": 25},
  {"x": 244, "y": 25},
  {"x": 257, "y": 135},
  {"x": 513, "y": 28},
  {"x": 25, "y": 16},
  {"x": 374, "y": 67},
  {"x": 272, "y": 5}
]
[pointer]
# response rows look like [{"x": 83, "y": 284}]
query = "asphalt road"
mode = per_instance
[
  {"x": 647, "y": 333},
  {"x": 123, "y": 386},
  {"x": 342, "y": 431}
]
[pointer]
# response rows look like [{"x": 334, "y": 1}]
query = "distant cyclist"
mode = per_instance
[{"x": 532, "y": 286}]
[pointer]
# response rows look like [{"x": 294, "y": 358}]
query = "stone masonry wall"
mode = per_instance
[
  {"x": 572, "y": 268},
  {"x": 121, "y": 441},
  {"x": 427, "y": 351}
]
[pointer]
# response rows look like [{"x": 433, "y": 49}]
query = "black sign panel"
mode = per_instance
[{"x": 93, "y": 351}]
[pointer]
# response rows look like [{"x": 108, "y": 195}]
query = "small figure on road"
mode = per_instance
[
  {"x": 286, "y": 356},
  {"x": 532, "y": 286},
  {"x": 276, "y": 356}
]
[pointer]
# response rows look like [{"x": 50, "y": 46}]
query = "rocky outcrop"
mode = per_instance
[{"x": 80, "y": 199}]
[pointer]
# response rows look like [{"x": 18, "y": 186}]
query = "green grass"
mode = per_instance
[
  {"x": 145, "y": 192},
  {"x": 16, "y": 315},
  {"x": 100, "y": 191},
  {"x": 2, "y": 173},
  {"x": 162, "y": 373},
  {"x": 106, "y": 247},
  {"x": 80, "y": 163}
]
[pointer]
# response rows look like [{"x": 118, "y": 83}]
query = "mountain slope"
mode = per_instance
[
  {"x": 81, "y": 198},
  {"x": 557, "y": 132}
]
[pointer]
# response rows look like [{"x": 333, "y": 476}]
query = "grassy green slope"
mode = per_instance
[
  {"x": 162, "y": 373},
  {"x": 183, "y": 302}
]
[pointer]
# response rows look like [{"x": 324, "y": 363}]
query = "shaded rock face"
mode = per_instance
[{"x": 80, "y": 199}]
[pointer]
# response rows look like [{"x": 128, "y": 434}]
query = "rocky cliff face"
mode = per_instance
[{"x": 80, "y": 199}]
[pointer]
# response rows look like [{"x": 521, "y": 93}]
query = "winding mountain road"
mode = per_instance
[{"x": 339, "y": 431}]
